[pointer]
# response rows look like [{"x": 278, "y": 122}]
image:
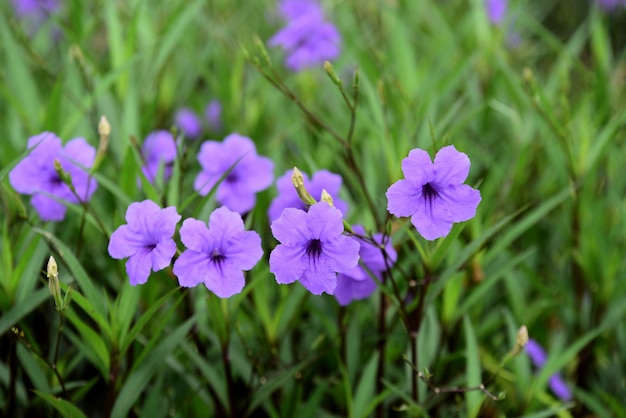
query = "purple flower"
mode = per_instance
[
  {"x": 496, "y": 10},
  {"x": 217, "y": 255},
  {"x": 313, "y": 249},
  {"x": 539, "y": 357},
  {"x": 35, "y": 13},
  {"x": 357, "y": 283},
  {"x": 288, "y": 197},
  {"x": 308, "y": 39},
  {"x": 433, "y": 194},
  {"x": 188, "y": 122},
  {"x": 158, "y": 149},
  {"x": 250, "y": 174},
  {"x": 213, "y": 115},
  {"x": 610, "y": 5},
  {"x": 146, "y": 239},
  {"x": 36, "y": 174}
]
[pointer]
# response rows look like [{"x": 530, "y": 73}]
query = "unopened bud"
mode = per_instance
[
  {"x": 104, "y": 130},
  {"x": 326, "y": 197},
  {"x": 261, "y": 47},
  {"x": 63, "y": 175},
  {"x": 297, "y": 179},
  {"x": 53, "y": 282},
  {"x": 522, "y": 336},
  {"x": 104, "y": 127},
  {"x": 328, "y": 67}
]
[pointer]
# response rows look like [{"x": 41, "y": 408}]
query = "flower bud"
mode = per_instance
[
  {"x": 326, "y": 197},
  {"x": 328, "y": 67},
  {"x": 522, "y": 336},
  {"x": 298, "y": 182},
  {"x": 63, "y": 175},
  {"x": 53, "y": 282}
]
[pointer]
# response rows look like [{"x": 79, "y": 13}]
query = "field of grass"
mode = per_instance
[{"x": 538, "y": 104}]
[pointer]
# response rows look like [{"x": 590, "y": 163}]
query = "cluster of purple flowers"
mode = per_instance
[
  {"x": 539, "y": 357},
  {"x": 191, "y": 124},
  {"x": 39, "y": 174},
  {"x": 307, "y": 39}
]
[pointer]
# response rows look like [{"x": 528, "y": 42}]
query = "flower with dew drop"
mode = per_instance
[
  {"x": 288, "y": 196},
  {"x": 250, "y": 172},
  {"x": 36, "y": 174},
  {"x": 158, "y": 149},
  {"x": 313, "y": 248},
  {"x": 433, "y": 194},
  {"x": 357, "y": 283},
  {"x": 217, "y": 255},
  {"x": 146, "y": 239}
]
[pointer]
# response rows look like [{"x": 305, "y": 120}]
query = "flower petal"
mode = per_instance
[
  {"x": 140, "y": 215},
  {"x": 403, "y": 198},
  {"x": 287, "y": 263},
  {"x": 48, "y": 208},
  {"x": 319, "y": 281},
  {"x": 324, "y": 221},
  {"x": 138, "y": 267},
  {"x": 291, "y": 227},
  {"x": 342, "y": 253},
  {"x": 125, "y": 242},
  {"x": 205, "y": 182},
  {"x": 431, "y": 227},
  {"x": 451, "y": 166},
  {"x": 460, "y": 201},
  {"x": 195, "y": 235},
  {"x": 225, "y": 280},
  {"x": 349, "y": 289},
  {"x": 162, "y": 254},
  {"x": 191, "y": 267},
  {"x": 418, "y": 169},
  {"x": 164, "y": 222},
  {"x": 245, "y": 250}
]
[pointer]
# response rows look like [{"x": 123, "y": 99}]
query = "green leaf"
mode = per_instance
[
  {"x": 142, "y": 373},
  {"x": 365, "y": 389},
  {"x": 65, "y": 408},
  {"x": 94, "y": 347},
  {"x": 473, "y": 399},
  {"x": 19, "y": 311}
]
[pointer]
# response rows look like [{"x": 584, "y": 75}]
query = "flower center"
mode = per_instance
[
  {"x": 232, "y": 177},
  {"x": 218, "y": 258},
  {"x": 314, "y": 249},
  {"x": 429, "y": 193}
]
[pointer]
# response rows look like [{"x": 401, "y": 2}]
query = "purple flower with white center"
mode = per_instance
[
  {"x": 36, "y": 175},
  {"x": 188, "y": 122},
  {"x": 217, "y": 255},
  {"x": 308, "y": 39},
  {"x": 496, "y": 10},
  {"x": 213, "y": 115},
  {"x": 158, "y": 149},
  {"x": 357, "y": 283},
  {"x": 313, "y": 249},
  {"x": 250, "y": 174},
  {"x": 288, "y": 196},
  {"x": 146, "y": 239},
  {"x": 539, "y": 357},
  {"x": 434, "y": 195}
]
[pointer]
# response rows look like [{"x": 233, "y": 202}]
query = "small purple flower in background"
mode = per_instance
[
  {"x": 36, "y": 12},
  {"x": 288, "y": 197},
  {"x": 308, "y": 40},
  {"x": 213, "y": 115},
  {"x": 251, "y": 173},
  {"x": 434, "y": 195},
  {"x": 496, "y": 10},
  {"x": 146, "y": 239},
  {"x": 36, "y": 174},
  {"x": 217, "y": 255},
  {"x": 313, "y": 249},
  {"x": 188, "y": 122},
  {"x": 158, "y": 149},
  {"x": 539, "y": 357},
  {"x": 357, "y": 283}
]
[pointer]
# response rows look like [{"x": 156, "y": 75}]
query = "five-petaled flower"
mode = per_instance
[
  {"x": 307, "y": 39},
  {"x": 313, "y": 249},
  {"x": 288, "y": 197},
  {"x": 250, "y": 172},
  {"x": 146, "y": 239},
  {"x": 36, "y": 174},
  {"x": 158, "y": 149},
  {"x": 358, "y": 283},
  {"x": 217, "y": 255},
  {"x": 434, "y": 194}
]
